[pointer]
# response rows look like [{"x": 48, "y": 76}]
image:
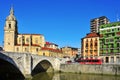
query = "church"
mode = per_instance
[{"x": 27, "y": 43}]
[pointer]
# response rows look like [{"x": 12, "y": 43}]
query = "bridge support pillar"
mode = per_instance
[{"x": 27, "y": 65}]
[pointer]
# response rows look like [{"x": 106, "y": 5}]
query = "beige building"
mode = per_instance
[
  {"x": 90, "y": 45},
  {"x": 51, "y": 52},
  {"x": 28, "y": 43},
  {"x": 69, "y": 51}
]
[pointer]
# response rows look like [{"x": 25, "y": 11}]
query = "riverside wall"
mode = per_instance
[{"x": 108, "y": 69}]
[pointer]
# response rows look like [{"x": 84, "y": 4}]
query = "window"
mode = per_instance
[
  {"x": 112, "y": 45},
  {"x": 111, "y": 50},
  {"x": 112, "y": 29},
  {"x": 117, "y": 44},
  {"x": 87, "y": 40},
  {"x": 26, "y": 49},
  {"x": 95, "y": 50},
  {"x": 111, "y": 40},
  {"x": 91, "y": 40},
  {"x": 91, "y": 45},
  {"x": 9, "y": 26},
  {"x": 118, "y": 29},
  {"x": 86, "y": 44},
  {"x": 19, "y": 40},
  {"x": 43, "y": 54},
  {"x": 108, "y": 30},
  {"x": 37, "y": 49},
  {"x": 17, "y": 49},
  {"x": 95, "y": 39},
  {"x": 113, "y": 34},
  {"x": 23, "y": 39},
  {"x": 86, "y": 50},
  {"x": 96, "y": 44},
  {"x": 8, "y": 43},
  {"x": 107, "y": 40},
  {"x": 27, "y": 40},
  {"x": 36, "y": 40}
]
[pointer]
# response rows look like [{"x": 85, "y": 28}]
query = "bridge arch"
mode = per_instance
[
  {"x": 53, "y": 64},
  {"x": 8, "y": 68},
  {"x": 43, "y": 66}
]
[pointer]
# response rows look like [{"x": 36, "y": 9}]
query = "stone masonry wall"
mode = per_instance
[{"x": 110, "y": 69}]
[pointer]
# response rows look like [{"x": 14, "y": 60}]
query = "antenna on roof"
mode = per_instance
[{"x": 118, "y": 18}]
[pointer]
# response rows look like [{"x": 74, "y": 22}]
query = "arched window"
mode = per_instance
[
  {"x": 9, "y": 26},
  {"x": 27, "y": 40},
  {"x": 17, "y": 49},
  {"x": 37, "y": 49},
  {"x": 36, "y": 40},
  {"x": 87, "y": 40},
  {"x": 43, "y": 54},
  {"x": 91, "y": 40},
  {"x": 23, "y": 40}
]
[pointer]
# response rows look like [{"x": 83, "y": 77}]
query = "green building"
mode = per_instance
[{"x": 110, "y": 39}]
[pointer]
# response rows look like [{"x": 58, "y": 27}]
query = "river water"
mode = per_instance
[{"x": 71, "y": 76}]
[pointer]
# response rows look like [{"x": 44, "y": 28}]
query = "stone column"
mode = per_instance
[{"x": 27, "y": 65}]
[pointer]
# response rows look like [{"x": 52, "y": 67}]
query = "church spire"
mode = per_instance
[
  {"x": 11, "y": 15},
  {"x": 11, "y": 11}
]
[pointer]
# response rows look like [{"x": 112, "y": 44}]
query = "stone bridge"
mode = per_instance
[{"x": 30, "y": 64}]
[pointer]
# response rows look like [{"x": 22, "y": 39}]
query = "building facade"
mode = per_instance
[
  {"x": 90, "y": 45},
  {"x": 69, "y": 51},
  {"x": 110, "y": 39},
  {"x": 96, "y": 22},
  {"x": 51, "y": 52},
  {"x": 29, "y": 43},
  {"x": 110, "y": 42}
]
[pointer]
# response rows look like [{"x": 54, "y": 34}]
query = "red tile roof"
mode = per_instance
[
  {"x": 49, "y": 43},
  {"x": 92, "y": 35},
  {"x": 51, "y": 49}
]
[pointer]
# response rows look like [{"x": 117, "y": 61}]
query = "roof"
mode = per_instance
[
  {"x": 99, "y": 18},
  {"x": 48, "y": 43},
  {"x": 11, "y": 16},
  {"x": 51, "y": 49},
  {"x": 92, "y": 35},
  {"x": 70, "y": 47},
  {"x": 30, "y": 34}
]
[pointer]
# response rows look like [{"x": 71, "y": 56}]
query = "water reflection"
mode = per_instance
[
  {"x": 71, "y": 76},
  {"x": 43, "y": 76}
]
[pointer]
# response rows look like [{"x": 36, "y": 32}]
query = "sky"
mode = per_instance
[{"x": 63, "y": 22}]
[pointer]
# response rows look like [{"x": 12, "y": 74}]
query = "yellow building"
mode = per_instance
[
  {"x": 90, "y": 45},
  {"x": 69, "y": 51},
  {"x": 28, "y": 43},
  {"x": 51, "y": 52}
]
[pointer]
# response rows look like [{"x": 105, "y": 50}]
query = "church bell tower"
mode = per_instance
[{"x": 10, "y": 32}]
